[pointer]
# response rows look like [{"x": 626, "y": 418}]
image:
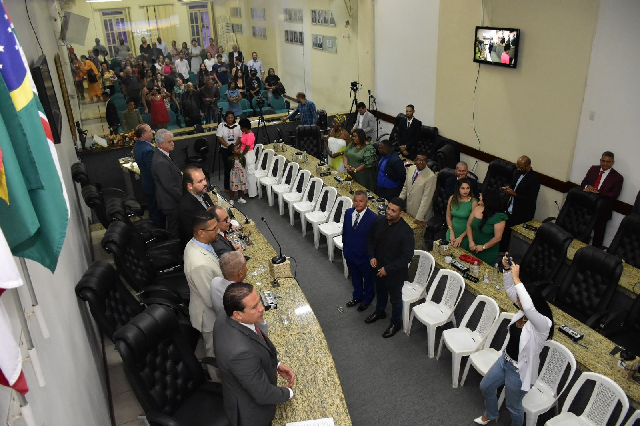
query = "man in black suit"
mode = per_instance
[
  {"x": 391, "y": 244},
  {"x": 235, "y": 53},
  {"x": 113, "y": 120},
  {"x": 194, "y": 199},
  {"x": 168, "y": 179},
  {"x": 607, "y": 182},
  {"x": 248, "y": 360},
  {"x": 408, "y": 133},
  {"x": 524, "y": 195},
  {"x": 223, "y": 245},
  {"x": 462, "y": 171}
]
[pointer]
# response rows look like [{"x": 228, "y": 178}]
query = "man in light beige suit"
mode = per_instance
[
  {"x": 201, "y": 266},
  {"x": 418, "y": 190}
]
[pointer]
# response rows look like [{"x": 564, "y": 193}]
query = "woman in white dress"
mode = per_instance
[
  {"x": 196, "y": 59},
  {"x": 337, "y": 142}
]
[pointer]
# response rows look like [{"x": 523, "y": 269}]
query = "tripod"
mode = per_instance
[{"x": 262, "y": 127}]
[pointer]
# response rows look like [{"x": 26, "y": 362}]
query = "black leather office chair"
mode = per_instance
[
  {"x": 142, "y": 267},
  {"x": 586, "y": 290},
  {"x": 95, "y": 200},
  {"x": 393, "y": 137},
  {"x": 308, "y": 139},
  {"x": 447, "y": 156},
  {"x": 579, "y": 213},
  {"x": 622, "y": 327},
  {"x": 201, "y": 148},
  {"x": 80, "y": 174},
  {"x": 437, "y": 226},
  {"x": 499, "y": 174},
  {"x": 626, "y": 243},
  {"x": 546, "y": 254},
  {"x": 165, "y": 375},
  {"x": 145, "y": 229}
]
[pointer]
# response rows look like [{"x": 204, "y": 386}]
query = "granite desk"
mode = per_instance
[
  {"x": 595, "y": 357},
  {"x": 130, "y": 169},
  {"x": 629, "y": 283},
  {"x": 296, "y": 333}
]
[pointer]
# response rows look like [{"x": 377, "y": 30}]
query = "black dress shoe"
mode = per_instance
[
  {"x": 363, "y": 307},
  {"x": 352, "y": 303},
  {"x": 391, "y": 331},
  {"x": 375, "y": 317}
]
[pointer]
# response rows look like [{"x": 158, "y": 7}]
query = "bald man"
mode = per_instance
[{"x": 524, "y": 196}]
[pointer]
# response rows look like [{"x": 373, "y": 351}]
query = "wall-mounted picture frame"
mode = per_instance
[
  {"x": 323, "y": 17},
  {"x": 294, "y": 37},
  {"x": 286, "y": 36},
  {"x": 258, "y": 14},
  {"x": 236, "y": 28},
  {"x": 235, "y": 12},
  {"x": 259, "y": 32},
  {"x": 293, "y": 15}
]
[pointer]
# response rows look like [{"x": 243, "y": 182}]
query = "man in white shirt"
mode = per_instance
[
  {"x": 162, "y": 46},
  {"x": 256, "y": 64},
  {"x": 365, "y": 121},
  {"x": 201, "y": 267},
  {"x": 182, "y": 66}
]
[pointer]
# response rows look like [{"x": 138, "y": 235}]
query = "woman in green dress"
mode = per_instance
[
  {"x": 485, "y": 227},
  {"x": 459, "y": 208},
  {"x": 360, "y": 159}
]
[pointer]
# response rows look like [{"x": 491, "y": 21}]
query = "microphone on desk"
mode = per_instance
[{"x": 276, "y": 259}]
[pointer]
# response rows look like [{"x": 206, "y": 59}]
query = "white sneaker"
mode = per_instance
[
  {"x": 242, "y": 200},
  {"x": 231, "y": 202}
]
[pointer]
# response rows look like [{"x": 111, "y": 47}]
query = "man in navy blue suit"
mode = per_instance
[
  {"x": 143, "y": 153},
  {"x": 358, "y": 220}
]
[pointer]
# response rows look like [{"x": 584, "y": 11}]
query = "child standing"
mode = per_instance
[{"x": 237, "y": 179}]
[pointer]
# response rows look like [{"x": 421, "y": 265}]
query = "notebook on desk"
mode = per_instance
[{"x": 318, "y": 422}]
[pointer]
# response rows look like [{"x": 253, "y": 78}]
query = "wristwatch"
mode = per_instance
[{"x": 483, "y": 247}]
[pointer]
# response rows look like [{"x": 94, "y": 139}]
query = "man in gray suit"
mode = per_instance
[
  {"x": 201, "y": 267},
  {"x": 168, "y": 179},
  {"x": 248, "y": 361},
  {"x": 365, "y": 121}
]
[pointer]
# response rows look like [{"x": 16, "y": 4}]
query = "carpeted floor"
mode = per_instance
[{"x": 385, "y": 381}]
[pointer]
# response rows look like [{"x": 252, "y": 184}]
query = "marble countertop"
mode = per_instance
[
  {"x": 129, "y": 163},
  {"x": 629, "y": 283},
  {"x": 594, "y": 358},
  {"x": 296, "y": 333}
]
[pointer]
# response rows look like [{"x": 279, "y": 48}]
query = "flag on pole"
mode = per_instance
[
  {"x": 11, "y": 374},
  {"x": 40, "y": 234}
]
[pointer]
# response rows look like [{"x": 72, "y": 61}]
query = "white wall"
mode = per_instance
[
  {"x": 406, "y": 47},
  {"x": 75, "y": 393},
  {"x": 613, "y": 94}
]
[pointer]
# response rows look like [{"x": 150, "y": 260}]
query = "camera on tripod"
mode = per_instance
[
  {"x": 260, "y": 102},
  {"x": 355, "y": 86}
]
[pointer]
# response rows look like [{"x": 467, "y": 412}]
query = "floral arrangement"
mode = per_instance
[{"x": 122, "y": 139}]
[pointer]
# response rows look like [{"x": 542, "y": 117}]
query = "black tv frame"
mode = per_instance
[
  {"x": 498, "y": 64},
  {"x": 43, "y": 79}
]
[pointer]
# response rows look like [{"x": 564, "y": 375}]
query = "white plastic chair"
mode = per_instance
[
  {"x": 307, "y": 201},
  {"x": 633, "y": 418},
  {"x": 434, "y": 314},
  {"x": 321, "y": 210},
  {"x": 604, "y": 398},
  {"x": 337, "y": 242},
  {"x": 333, "y": 225},
  {"x": 544, "y": 393},
  {"x": 463, "y": 341},
  {"x": 294, "y": 194},
  {"x": 257, "y": 149},
  {"x": 263, "y": 163},
  {"x": 274, "y": 175},
  {"x": 484, "y": 359},
  {"x": 416, "y": 290},
  {"x": 288, "y": 177}
]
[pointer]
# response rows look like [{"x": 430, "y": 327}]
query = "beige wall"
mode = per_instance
[{"x": 534, "y": 109}]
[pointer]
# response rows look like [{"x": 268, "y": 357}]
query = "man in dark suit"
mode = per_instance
[
  {"x": 607, "y": 182},
  {"x": 168, "y": 179},
  {"x": 391, "y": 172},
  {"x": 408, "y": 133},
  {"x": 524, "y": 195},
  {"x": 143, "y": 153},
  {"x": 636, "y": 206},
  {"x": 391, "y": 244},
  {"x": 235, "y": 53},
  {"x": 223, "y": 245},
  {"x": 194, "y": 199},
  {"x": 462, "y": 171},
  {"x": 113, "y": 120},
  {"x": 358, "y": 221},
  {"x": 248, "y": 360}
]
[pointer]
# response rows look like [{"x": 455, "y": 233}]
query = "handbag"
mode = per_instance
[{"x": 91, "y": 77}]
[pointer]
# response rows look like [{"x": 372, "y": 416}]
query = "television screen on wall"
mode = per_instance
[
  {"x": 496, "y": 46},
  {"x": 43, "y": 79}
]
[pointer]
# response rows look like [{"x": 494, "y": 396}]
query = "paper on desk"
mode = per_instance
[
  {"x": 100, "y": 141},
  {"x": 318, "y": 422}
]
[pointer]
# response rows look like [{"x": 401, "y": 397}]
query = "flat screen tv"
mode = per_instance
[
  {"x": 496, "y": 46},
  {"x": 43, "y": 80}
]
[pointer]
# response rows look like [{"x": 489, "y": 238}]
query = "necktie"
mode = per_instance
[
  {"x": 355, "y": 224},
  {"x": 415, "y": 176},
  {"x": 597, "y": 184},
  {"x": 260, "y": 334},
  {"x": 408, "y": 124}
]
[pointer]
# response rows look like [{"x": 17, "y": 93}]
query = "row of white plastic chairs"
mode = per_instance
[
  {"x": 316, "y": 203},
  {"x": 476, "y": 343}
]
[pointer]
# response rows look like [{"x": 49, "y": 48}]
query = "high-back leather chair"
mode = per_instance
[
  {"x": 308, "y": 139},
  {"x": 165, "y": 375},
  {"x": 144, "y": 228},
  {"x": 499, "y": 174},
  {"x": 546, "y": 254},
  {"x": 80, "y": 174},
  {"x": 94, "y": 200},
  {"x": 436, "y": 226},
  {"x": 447, "y": 156},
  {"x": 393, "y": 137},
  {"x": 579, "y": 214},
  {"x": 626, "y": 243},
  {"x": 586, "y": 289}
]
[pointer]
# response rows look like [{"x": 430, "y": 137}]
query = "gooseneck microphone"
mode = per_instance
[{"x": 276, "y": 259}]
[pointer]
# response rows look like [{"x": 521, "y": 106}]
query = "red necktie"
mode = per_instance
[
  {"x": 260, "y": 334},
  {"x": 597, "y": 184},
  {"x": 415, "y": 176}
]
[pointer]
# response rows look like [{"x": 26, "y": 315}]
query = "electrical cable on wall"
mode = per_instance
[
  {"x": 475, "y": 91},
  {"x": 32, "y": 27}
]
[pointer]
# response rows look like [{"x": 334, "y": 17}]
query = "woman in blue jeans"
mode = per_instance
[{"x": 517, "y": 368}]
